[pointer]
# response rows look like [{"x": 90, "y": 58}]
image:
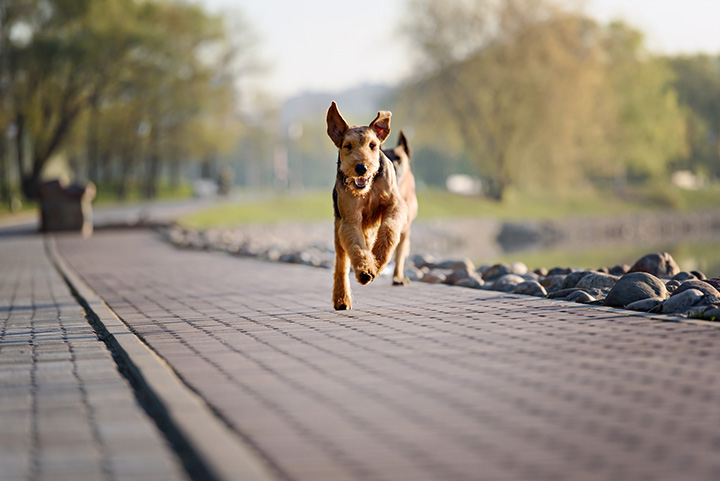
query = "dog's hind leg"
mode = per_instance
[
  {"x": 388, "y": 235},
  {"x": 342, "y": 298},
  {"x": 401, "y": 253}
]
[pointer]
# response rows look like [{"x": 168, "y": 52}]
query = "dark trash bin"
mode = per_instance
[{"x": 66, "y": 208}]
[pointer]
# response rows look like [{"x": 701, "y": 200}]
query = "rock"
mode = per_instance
[
  {"x": 455, "y": 264},
  {"x": 580, "y": 297},
  {"x": 597, "y": 280},
  {"x": 518, "y": 268},
  {"x": 459, "y": 274},
  {"x": 507, "y": 283},
  {"x": 436, "y": 276},
  {"x": 563, "y": 293},
  {"x": 413, "y": 273},
  {"x": 715, "y": 282},
  {"x": 553, "y": 283},
  {"x": 645, "y": 305},
  {"x": 573, "y": 278},
  {"x": 541, "y": 271},
  {"x": 702, "y": 286},
  {"x": 530, "y": 288},
  {"x": 471, "y": 282},
  {"x": 496, "y": 272},
  {"x": 683, "y": 276},
  {"x": 682, "y": 302},
  {"x": 421, "y": 260},
  {"x": 672, "y": 285},
  {"x": 560, "y": 271},
  {"x": 658, "y": 264},
  {"x": 635, "y": 287},
  {"x": 619, "y": 270},
  {"x": 711, "y": 313},
  {"x": 699, "y": 275}
]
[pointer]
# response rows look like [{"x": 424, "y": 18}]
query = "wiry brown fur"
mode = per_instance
[
  {"x": 400, "y": 157},
  {"x": 370, "y": 213}
]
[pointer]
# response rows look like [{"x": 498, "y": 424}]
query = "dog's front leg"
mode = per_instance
[
  {"x": 388, "y": 234},
  {"x": 342, "y": 298},
  {"x": 361, "y": 259}
]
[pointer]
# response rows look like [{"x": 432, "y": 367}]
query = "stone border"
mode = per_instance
[
  {"x": 624, "y": 312},
  {"x": 192, "y": 427}
]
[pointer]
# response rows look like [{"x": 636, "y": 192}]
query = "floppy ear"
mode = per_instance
[
  {"x": 336, "y": 125},
  {"x": 381, "y": 125},
  {"x": 403, "y": 142}
]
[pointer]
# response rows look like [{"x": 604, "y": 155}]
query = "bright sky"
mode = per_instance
[{"x": 318, "y": 45}]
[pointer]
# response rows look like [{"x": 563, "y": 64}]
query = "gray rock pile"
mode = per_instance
[{"x": 654, "y": 284}]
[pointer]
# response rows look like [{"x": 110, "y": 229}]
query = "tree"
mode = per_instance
[
  {"x": 539, "y": 95},
  {"x": 514, "y": 78},
  {"x": 648, "y": 128},
  {"x": 697, "y": 82},
  {"x": 163, "y": 67}
]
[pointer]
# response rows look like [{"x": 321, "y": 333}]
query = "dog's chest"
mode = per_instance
[{"x": 372, "y": 215}]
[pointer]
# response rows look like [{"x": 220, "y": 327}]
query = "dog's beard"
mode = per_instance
[{"x": 361, "y": 182}]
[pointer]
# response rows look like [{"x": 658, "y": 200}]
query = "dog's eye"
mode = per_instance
[
  {"x": 372, "y": 145},
  {"x": 347, "y": 146}
]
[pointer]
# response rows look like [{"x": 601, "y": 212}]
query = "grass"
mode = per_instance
[
  {"x": 309, "y": 207},
  {"x": 107, "y": 193},
  {"x": 435, "y": 204}
]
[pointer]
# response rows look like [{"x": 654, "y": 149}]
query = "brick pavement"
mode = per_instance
[
  {"x": 418, "y": 383},
  {"x": 65, "y": 411}
]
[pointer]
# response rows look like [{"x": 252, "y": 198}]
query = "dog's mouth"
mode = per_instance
[{"x": 361, "y": 182}]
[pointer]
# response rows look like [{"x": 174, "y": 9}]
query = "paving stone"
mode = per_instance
[
  {"x": 51, "y": 366},
  {"x": 423, "y": 382}
]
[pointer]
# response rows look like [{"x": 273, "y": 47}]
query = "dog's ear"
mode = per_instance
[
  {"x": 381, "y": 125},
  {"x": 336, "y": 125},
  {"x": 403, "y": 142}
]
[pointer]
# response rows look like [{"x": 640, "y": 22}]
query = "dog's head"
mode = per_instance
[
  {"x": 400, "y": 156},
  {"x": 359, "y": 159}
]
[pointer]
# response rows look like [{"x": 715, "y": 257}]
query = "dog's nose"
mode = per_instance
[{"x": 360, "y": 169}]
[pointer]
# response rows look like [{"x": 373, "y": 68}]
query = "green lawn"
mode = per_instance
[{"x": 434, "y": 204}]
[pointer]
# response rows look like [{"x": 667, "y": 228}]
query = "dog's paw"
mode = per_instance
[
  {"x": 401, "y": 281},
  {"x": 364, "y": 277},
  {"x": 342, "y": 304}
]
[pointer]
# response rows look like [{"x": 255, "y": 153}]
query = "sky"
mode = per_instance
[{"x": 332, "y": 45}]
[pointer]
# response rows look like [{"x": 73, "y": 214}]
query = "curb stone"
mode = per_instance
[{"x": 208, "y": 447}]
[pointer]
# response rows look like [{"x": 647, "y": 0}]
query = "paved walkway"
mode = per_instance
[
  {"x": 418, "y": 383},
  {"x": 65, "y": 411}
]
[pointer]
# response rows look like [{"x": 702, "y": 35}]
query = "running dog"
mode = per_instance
[
  {"x": 370, "y": 213},
  {"x": 400, "y": 157}
]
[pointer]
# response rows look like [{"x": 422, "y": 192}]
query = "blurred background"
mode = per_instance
[{"x": 517, "y": 111}]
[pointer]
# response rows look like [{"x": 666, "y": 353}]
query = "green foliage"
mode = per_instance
[
  {"x": 538, "y": 94},
  {"x": 697, "y": 82},
  {"x": 121, "y": 84}
]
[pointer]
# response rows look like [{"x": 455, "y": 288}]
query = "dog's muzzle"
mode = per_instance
[
  {"x": 360, "y": 169},
  {"x": 360, "y": 182}
]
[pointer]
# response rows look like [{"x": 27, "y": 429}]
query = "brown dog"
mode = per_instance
[
  {"x": 370, "y": 213},
  {"x": 400, "y": 157}
]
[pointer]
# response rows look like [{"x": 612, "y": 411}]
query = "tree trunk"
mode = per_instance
[
  {"x": 4, "y": 181},
  {"x": 125, "y": 168},
  {"x": 152, "y": 166},
  {"x": 93, "y": 161}
]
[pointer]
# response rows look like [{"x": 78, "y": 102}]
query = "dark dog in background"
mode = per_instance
[
  {"x": 370, "y": 213},
  {"x": 400, "y": 157}
]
